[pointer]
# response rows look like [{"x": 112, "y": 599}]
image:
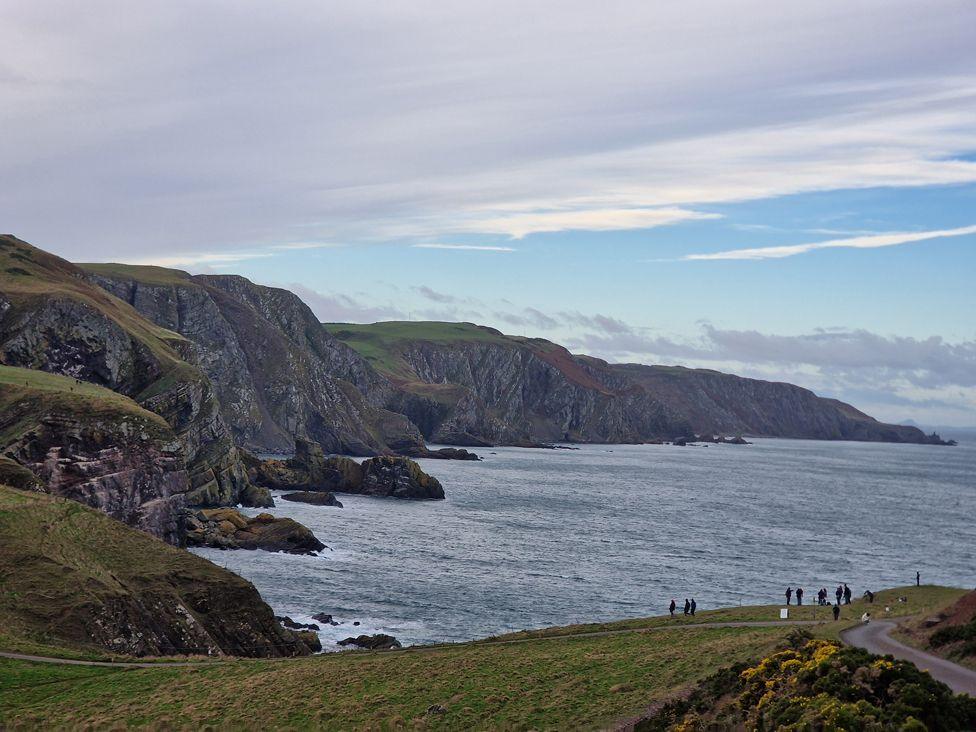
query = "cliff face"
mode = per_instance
[
  {"x": 73, "y": 575},
  {"x": 716, "y": 404},
  {"x": 523, "y": 393},
  {"x": 95, "y": 447},
  {"x": 53, "y": 319},
  {"x": 278, "y": 374},
  {"x": 465, "y": 384}
]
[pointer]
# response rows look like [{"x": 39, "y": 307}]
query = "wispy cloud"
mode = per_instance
[
  {"x": 196, "y": 258},
  {"x": 306, "y": 245},
  {"x": 874, "y": 241},
  {"x": 519, "y": 225},
  {"x": 464, "y": 247}
]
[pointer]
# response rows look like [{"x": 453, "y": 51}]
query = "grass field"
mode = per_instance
[
  {"x": 559, "y": 679},
  {"x": 545, "y": 684},
  {"x": 924, "y": 599}
]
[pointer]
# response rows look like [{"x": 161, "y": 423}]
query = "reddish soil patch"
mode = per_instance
[
  {"x": 563, "y": 360},
  {"x": 962, "y": 611}
]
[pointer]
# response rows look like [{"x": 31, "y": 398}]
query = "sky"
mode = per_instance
[{"x": 782, "y": 190}]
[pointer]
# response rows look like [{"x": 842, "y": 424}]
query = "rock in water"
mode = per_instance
[
  {"x": 314, "y": 498},
  {"x": 399, "y": 478},
  {"x": 378, "y": 642},
  {"x": 311, "y": 471},
  {"x": 227, "y": 528}
]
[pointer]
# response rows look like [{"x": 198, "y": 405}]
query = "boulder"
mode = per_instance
[
  {"x": 315, "y": 498},
  {"x": 398, "y": 477},
  {"x": 324, "y": 618},
  {"x": 294, "y": 625},
  {"x": 311, "y": 639},
  {"x": 227, "y": 528},
  {"x": 378, "y": 642}
]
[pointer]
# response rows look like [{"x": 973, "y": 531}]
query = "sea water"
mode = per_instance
[{"x": 530, "y": 538}]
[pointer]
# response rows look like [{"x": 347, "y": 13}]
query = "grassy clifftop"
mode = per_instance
[
  {"x": 380, "y": 343},
  {"x": 573, "y": 679},
  {"x": 39, "y": 393},
  {"x": 70, "y": 577}
]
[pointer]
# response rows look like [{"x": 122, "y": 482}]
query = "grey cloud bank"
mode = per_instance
[{"x": 212, "y": 126}]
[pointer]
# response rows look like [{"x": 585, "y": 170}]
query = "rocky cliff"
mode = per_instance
[
  {"x": 52, "y": 318},
  {"x": 471, "y": 385},
  {"x": 74, "y": 577},
  {"x": 277, "y": 373},
  {"x": 94, "y": 446},
  {"x": 724, "y": 404}
]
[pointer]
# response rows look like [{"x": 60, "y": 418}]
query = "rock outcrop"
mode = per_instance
[
  {"x": 52, "y": 318},
  {"x": 227, "y": 528},
  {"x": 277, "y": 373},
  {"x": 378, "y": 642},
  {"x": 310, "y": 471},
  {"x": 75, "y": 577},
  {"x": 89, "y": 444},
  {"x": 314, "y": 498}
]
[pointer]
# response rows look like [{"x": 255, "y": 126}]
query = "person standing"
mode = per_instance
[
  {"x": 694, "y": 605},
  {"x": 671, "y": 607},
  {"x": 836, "y": 612},
  {"x": 789, "y": 595},
  {"x": 839, "y": 593},
  {"x": 918, "y": 579},
  {"x": 799, "y": 595},
  {"x": 847, "y": 594},
  {"x": 687, "y": 606}
]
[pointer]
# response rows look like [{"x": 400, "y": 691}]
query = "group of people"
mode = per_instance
[
  {"x": 690, "y": 606},
  {"x": 843, "y": 592}
]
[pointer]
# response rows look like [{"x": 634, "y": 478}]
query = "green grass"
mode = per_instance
[
  {"x": 144, "y": 274},
  {"x": 60, "y": 562},
  {"x": 924, "y": 599},
  {"x": 29, "y": 274},
  {"x": 565, "y": 679},
  {"x": 27, "y": 395},
  {"x": 380, "y": 343},
  {"x": 579, "y": 683}
]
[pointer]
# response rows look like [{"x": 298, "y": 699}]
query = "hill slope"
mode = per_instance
[
  {"x": 72, "y": 576},
  {"x": 54, "y": 319},
  {"x": 278, "y": 375},
  {"x": 88, "y": 443},
  {"x": 467, "y": 384}
]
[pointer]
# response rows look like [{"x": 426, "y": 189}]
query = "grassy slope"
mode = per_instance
[
  {"x": 28, "y": 273},
  {"x": 584, "y": 682},
  {"x": 56, "y": 554},
  {"x": 33, "y": 394},
  {"x": 380, "y": 343},
  {"x": 146, "y": 274}
]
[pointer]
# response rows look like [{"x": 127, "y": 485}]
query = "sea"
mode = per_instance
[{"x": 529, "y": 538}]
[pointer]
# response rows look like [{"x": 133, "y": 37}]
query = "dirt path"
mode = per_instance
[
  {"x": 112, "y": 664},
  {"x": 874, "y": 637},
  {"x": 415, "y": 649}
]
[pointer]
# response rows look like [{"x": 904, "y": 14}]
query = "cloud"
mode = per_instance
[
  {"x": 203, "y": 259},
  {"x": 295, "y": 246},
  {"x": 463, "y": 247},
  {"x": 339, "y": 308},
  {"x": 436, "y": 296},
  {"x": 873, "y": 241},
  {"x": 519, "y": 225},
  {"x": 377, "y": 124}
]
